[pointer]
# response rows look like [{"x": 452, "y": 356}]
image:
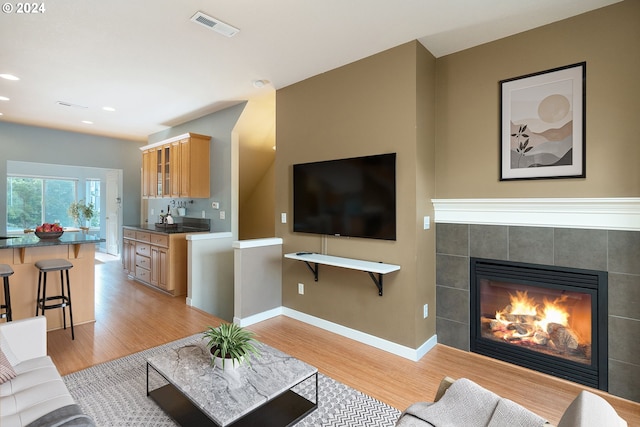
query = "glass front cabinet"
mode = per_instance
[{"x": 177, "y": 167}]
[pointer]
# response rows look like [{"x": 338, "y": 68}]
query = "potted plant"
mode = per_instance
[
  {"x": 230, "y": 341},
  {"x": 81, "y": 213}
]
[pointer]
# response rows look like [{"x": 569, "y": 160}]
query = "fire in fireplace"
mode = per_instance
[
  {"x": 547, "y": 321},
  {"x": 546, "y": 318}
]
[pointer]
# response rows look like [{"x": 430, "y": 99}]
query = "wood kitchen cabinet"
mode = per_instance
[
  {"x": 177, "y": 167},
  {"x": 149, "y": 173},
  {"x": 145, "y": 173},
  {"x": 156, "y": 259},
  {"x": 129, "y": 251}
]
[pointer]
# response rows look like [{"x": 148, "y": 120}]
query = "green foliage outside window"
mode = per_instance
[
  {"x": 24, "y": 202},
  {"x": 33, "y": 201}
]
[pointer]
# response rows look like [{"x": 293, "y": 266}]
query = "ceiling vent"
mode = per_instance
[
  {"x": 214, "y": 24},
  {"x": 69, "y": 104}
]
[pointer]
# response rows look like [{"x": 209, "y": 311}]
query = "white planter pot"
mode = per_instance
[{"x": 229, "y": 364}]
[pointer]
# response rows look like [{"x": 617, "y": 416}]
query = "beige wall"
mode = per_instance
[
  {"x": 373, "y": 106},
  {"x": 257, "y": 210},
  {"x": 442, "y": 118},
  {"x": 467, "y": 99}
]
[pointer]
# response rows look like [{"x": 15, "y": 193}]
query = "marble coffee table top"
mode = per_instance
[{"x": 227, "y": 395}]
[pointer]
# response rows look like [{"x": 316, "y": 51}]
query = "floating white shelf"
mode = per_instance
[{"x": 353, "y": 264}]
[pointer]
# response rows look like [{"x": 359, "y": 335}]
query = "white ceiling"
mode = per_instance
[{"x": 157, "y": 68}]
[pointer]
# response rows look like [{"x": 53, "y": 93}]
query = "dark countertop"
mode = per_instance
[
  {"x": 179, "y": 228},
  {"x": 31, "y": 240}
]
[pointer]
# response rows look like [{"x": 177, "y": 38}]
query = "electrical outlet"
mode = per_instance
[
  {"x": 223, "y": 215},
  {"x": 283, "y": 217},
  {"x": 153, "y": 211},
  {"x": 301, "y": 288},
  {"x": 425, "y": 311}
]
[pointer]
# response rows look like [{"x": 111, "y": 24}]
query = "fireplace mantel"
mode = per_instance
[{"x": 587, "y": 213}]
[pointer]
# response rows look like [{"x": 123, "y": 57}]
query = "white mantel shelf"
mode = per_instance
[
  {"x": 589, "y": 213},
  {"x": 353, "y": 264}
]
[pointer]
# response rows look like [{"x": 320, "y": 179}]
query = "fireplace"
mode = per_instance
[{"x": 547, "y": 318}]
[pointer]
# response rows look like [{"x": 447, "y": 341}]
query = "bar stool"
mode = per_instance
[
  {"x": 5, "y": 272},
  {"x": 63, "y": 300}
]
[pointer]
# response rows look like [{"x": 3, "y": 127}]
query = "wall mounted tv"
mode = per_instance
[{"x": 353, "y": 197}]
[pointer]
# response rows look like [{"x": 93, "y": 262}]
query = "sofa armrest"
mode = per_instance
[
  {"x": 445, "y": 383},
  {"x": 26, "y": 338},
  {"x": 590, "y": 410}
]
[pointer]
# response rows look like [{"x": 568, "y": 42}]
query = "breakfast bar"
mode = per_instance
[{"x": 22, "y": 252}]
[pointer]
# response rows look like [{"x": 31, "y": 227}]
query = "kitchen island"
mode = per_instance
[{"x": 21, "y": 253}]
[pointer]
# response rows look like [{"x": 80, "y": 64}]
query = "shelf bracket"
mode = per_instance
[
  {"x": 313, "y": 270},
  {"x": 377, "y": 281}
]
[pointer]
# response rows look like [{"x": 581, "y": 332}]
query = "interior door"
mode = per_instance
[{"x": 113, "y": 212}]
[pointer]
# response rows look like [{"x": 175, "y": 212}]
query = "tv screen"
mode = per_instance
[{"x": 353, "y": 197}]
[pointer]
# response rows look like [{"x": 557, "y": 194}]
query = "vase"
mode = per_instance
[{"x": 229, "y": 364}]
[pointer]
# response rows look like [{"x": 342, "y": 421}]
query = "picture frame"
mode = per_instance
[{"x": 542, "y": 124}]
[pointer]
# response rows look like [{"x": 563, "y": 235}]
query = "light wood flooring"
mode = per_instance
[{"x": 131, "y": 317}]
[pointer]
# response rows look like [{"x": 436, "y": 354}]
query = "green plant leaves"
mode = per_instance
[{"x": 231, "y": 341}]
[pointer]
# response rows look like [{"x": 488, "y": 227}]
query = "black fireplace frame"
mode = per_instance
[{"x": 592, "y": 282}]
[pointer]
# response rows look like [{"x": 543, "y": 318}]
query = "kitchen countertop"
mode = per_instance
[
  {"x": 179, "y": 228},
  {"x": 31, "y": 240}
]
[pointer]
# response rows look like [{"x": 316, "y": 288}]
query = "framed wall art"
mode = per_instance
[{"x": 542, "y": 124}]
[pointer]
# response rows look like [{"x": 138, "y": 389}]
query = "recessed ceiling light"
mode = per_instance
[
  {"x": 1, "y": 114},
  {"x": 9, "y": 77},
  {"x": 260, "y": 83},
  {"x": 108, "y": 109},
  {"x": 87, "y": 122},
  {"x": 3, "y": 98}
]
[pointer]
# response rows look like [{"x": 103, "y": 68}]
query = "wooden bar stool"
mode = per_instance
[
  {"x": 5, "y": 272},
  {"x": 43, "y": 302}
]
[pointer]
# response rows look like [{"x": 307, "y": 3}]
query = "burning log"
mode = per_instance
[
  {"x": 524, "y": 329},
  {"x": 540, "y": 338},
  {"x": 563, "y": 338},
  {"x": 496, "y": 325}
]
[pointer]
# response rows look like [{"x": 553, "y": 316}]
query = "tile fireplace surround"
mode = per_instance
[{"x": 595, "y": 234}]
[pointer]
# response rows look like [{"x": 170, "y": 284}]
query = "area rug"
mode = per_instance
[{"x": 114, "y": 394}]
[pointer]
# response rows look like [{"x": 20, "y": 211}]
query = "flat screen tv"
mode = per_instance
[{"x": 353, "y": 197}]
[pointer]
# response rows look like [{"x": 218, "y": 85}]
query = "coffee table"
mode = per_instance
[{"x": 194, "y": 393}]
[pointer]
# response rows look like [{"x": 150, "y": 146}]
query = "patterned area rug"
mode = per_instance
[{"x": 114, "y": 394}]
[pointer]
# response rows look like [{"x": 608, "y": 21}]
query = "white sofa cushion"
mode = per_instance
[
  {"x": 590, "y": 410},
  {"x": 36, "y": 390}
]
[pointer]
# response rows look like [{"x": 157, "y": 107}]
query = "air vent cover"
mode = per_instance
[
  {"x": 214, "y": 24},
  {"x": 69, "y": 104}
]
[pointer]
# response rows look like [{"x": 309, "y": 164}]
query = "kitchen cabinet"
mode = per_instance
[
  {"x": 145, "y": 173},
  {"x": 129, "y": 251},
  {"x": 156, "y": 259},
  {"x": 159, "y": 258},
  {"x": 177, "y": 167},
  {"x": 195, "y": 167},
  {"x": 149, "y": 173},
  {"x": 175, "y": 170}
]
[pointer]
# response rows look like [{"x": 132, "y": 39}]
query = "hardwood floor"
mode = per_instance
[{"x": 131, "y": 317}]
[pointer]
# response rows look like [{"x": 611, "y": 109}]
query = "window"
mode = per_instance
[
  {"x": 93, "y": 197},
  {"x": 32, "y": 201}
]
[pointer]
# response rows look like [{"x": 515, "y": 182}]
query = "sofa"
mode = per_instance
[
  {"x": 466, "y": 404},
  {"x": 32, "y": 392}
]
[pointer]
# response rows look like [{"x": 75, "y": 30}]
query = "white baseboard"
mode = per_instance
[
  {"x": 265, "y": 315},
  {"x": 382, "y": 344}
]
